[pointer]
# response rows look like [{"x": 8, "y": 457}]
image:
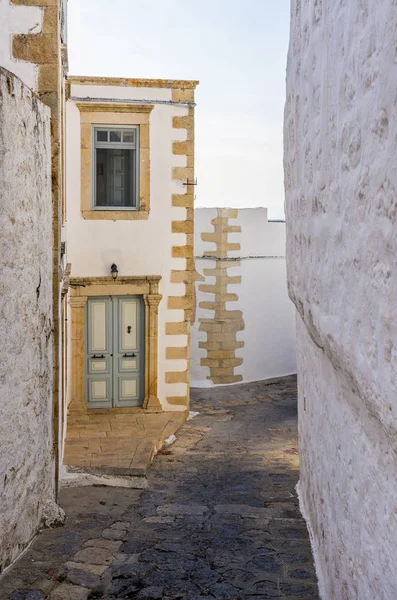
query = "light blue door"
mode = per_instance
[{"x": 114, "y": 352}]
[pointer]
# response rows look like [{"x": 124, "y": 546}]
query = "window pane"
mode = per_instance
[
  {"x": 129, "y": 137},
  {"x": 115, "y": 136},
  {"x": 102, "y": 136},
  {"x": 115, "y": 178}
]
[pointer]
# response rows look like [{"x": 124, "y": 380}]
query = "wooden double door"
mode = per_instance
[{"x": 114, "y": 352}]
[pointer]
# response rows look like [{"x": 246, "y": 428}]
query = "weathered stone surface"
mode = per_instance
[
  {"x": 341, "y": 182},
  {"x": 194, "y": 551},
  {"x": 83, "y": 577},
  {"x": 181, "y": 509},
  {"x": 151, "y": 593},
  {"x": 159, "y": 520},
  {"x": 94, "y": 556},
  {"x": 95, "y": 569},
  {"x": 52, "y": 515},
  {"x": 120, "y": 525},
  {"x": 243, "y": 510},
  {"x": 114, "y": 534},
  {"x": 26, "y": 453},
  {"x": 111, "y": 545},
  {"x": 69, "y": 592},
  {"x": 26, "y": 595}
]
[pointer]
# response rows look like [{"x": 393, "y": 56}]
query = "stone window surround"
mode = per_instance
[
  {"x": 112, "y": 114},
  {"x": 82, "y": 288}
]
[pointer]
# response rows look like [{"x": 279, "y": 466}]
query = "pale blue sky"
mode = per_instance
[{"x": 238, "y": 52}]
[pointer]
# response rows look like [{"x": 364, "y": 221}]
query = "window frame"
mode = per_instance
[{"x": 110, "y": 146}]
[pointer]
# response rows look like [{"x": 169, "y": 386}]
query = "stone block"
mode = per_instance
[
  {"x": 179, "y": 302},
  {"x": 186, "y": 148},
  {"x": 38, "y": 48},
  {"x": 69, "y": 592},
  {"x": 183, "y": 200},
  {"x": 94, "y": 556},
  {"x": 177, "y": 328},
  {"x": 176, "y": 353},
  {"x": 114, "y": 534},
  {"x": 182, "y": 251},
  {"x": 182, "y": 226},
  {"x": 176, "y": 377},
  {"x": 182, "y": 95},
  {"x": 93, "y": 569},
  {"x": 182, "y": 509},
  {"x": 110, "y": 545}
]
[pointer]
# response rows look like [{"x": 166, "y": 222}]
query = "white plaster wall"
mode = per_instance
[
  {"x": 137, "y": 247},
  {"x": 26, "y": 378},
  {"x": 347, "y": 483},
  {"x": 269, "y": 316},
  {"x": 341, "y": 179},
  {"x": 13, "y": 20}
]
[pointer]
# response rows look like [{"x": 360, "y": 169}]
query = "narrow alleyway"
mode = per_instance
[{"x": 220, "y": 519}]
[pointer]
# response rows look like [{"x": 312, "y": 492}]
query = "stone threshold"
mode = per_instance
[
  {"x": 111, "y": 444},
  {"x": 137, "y": 467}
]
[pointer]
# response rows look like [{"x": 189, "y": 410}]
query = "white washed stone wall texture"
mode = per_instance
[
  {"x": 341, "y": 203},
  {"x": 26, "y": 461}
]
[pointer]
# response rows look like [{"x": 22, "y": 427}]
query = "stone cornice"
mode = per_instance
[
  {"x": 114, "y": 107},
  {"x": 121, "y": 280},
  {"x": 130, "y": 82}
]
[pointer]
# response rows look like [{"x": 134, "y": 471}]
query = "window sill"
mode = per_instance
[{"x": 115, "y": 215}]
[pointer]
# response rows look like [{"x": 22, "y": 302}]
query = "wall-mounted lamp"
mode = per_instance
[{"x": 114, "y": 271}]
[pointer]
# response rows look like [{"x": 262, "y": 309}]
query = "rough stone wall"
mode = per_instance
[
  {"x": 26, "y": 378},
  {"x": 39, "y": 57},
  {"x": 341, "y": 179}
]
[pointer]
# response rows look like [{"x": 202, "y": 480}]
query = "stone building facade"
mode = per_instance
[
  {"x": 150, "y": 241},
  {"x": 244, "y": 323},
  {"x": 341, "y": 180}
]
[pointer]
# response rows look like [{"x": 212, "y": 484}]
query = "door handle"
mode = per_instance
[
  {"x": 129, "y": 355},
  {"x": 96, "y": 356}
]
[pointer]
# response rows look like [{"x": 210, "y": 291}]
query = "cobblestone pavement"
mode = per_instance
[{"x": 220, "y": 519}]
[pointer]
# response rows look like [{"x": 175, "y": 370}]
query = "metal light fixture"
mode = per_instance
[{"x": 114, "y": 271}]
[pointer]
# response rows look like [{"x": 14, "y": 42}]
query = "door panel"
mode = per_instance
[
  {"x": 98, "y": 391},
  {"x": 128, "y": 392},
  {"x": 99, "y": 365},
  {"x": 127, "y": 385},
  {"x": 114, "y": 352},
  {"x": 97, "y": 326},
  {"x": 128, "y": 310},
  {"x": 96, "y": 366},
  {"x": 128, "y": 364}
]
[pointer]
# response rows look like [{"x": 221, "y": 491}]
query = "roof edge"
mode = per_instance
[{"x": 130, "y": 82}]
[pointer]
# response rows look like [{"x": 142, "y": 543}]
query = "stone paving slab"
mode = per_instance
[
  {"x": 117, "y": 444},
  {"x": 219, "y": 521}
]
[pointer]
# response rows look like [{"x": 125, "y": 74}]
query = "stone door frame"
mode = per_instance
[{"x": 82, "y": 288}]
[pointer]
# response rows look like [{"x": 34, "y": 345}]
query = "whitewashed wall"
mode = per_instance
[
  {"x": 269, "y": 318},
  {"x": 26, "y": 378},
  {"x": 137, "y": 247},
  {"x": 341, "y": 181}
]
